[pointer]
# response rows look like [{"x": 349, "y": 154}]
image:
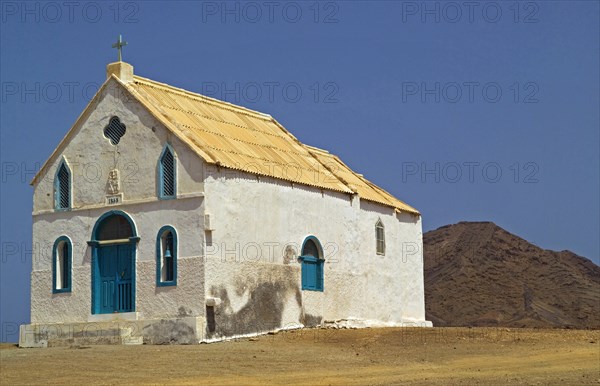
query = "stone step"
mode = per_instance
[{"x": 184, "y": 330}]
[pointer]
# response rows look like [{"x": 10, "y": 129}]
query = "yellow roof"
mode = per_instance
[
  {"x": 357, "y": 182},
  {"x": 242, "y": 139},
  {"x": 238, "y": 138},
  {"x": 234, "y": 137}
]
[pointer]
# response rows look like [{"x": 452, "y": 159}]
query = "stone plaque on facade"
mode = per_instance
[{"x": 114, "y": 199}]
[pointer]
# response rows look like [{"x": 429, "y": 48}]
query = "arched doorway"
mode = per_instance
[{"x": 113, "y": 245}]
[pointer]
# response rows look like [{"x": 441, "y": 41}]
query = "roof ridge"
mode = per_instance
[
  {"x": 205, "y": 98},
  {"x": 385, "y": 192},
  {"x": 386, "y": 196},
  {"x": 362, "y": 178}
]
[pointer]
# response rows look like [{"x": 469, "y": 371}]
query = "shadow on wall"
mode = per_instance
[
  {"x": 264, "y": 309},
  {"x": 403, "y": 217}
]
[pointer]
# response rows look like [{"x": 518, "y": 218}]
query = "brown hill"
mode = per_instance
[{"x": 478, "y": 274}]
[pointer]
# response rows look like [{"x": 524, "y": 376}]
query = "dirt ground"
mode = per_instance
[{"x": 466, "y": 356}]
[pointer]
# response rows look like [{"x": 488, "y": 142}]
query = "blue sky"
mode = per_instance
[{"x": 481, "y": 112}]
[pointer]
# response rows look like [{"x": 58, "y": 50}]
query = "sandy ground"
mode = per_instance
[{"x": 464, "y": 356}]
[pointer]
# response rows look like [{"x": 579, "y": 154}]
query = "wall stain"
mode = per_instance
[
  {"x": 311, "y": 320},
  {"x": 169, "y": 331},
  {"x": 289, "y": 255},
  {"x": 264, "y": 309}
]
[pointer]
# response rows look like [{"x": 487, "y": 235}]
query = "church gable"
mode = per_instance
[{"x": 117, "y": 151}]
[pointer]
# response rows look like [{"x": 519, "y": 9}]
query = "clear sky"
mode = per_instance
[{"x": 480, "y": 111}]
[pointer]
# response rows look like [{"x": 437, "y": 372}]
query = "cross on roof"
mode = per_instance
[{"x": 119, "y": 45}]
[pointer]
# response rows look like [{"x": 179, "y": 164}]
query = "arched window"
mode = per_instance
[
  {"x": 62, "y": 186},
  {"x": 61, "y": 265},
  {"x": 312, "y": 264},
  {"x": 380, "y": 237},
  {"x": 166, "y": 257},
  {"x": 167, "y": 174}
]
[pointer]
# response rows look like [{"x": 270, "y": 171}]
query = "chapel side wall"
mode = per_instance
[
  {"x": 395, "y": 290},
  {"x": 251, "y": 214},
  {"x": 187, "y": 298}
]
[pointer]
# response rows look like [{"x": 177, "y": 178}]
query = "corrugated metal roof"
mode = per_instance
[
  {"x": 242, "y": 139},
  {"x": 235, "y": 137},
  {"x": 357, "y": 182}
]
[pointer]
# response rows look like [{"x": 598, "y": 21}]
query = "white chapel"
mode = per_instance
[{"x": 203, "y": 221}]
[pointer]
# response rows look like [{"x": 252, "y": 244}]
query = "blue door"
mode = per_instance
[{"x": 115, "y": 266}]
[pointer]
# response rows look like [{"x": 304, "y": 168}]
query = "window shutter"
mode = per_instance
[
  {"x": 312, "y": 266},
  {"x": 65, "y": 265},
  {"x": 64, "y": 190},
  {"x": 309, "y": 274},
  {"x": 304, "y": 275},
  {"x": 312, "y": 276},
  {"x": 380, "y": 238},
  {"x": 168, "y": 173},
  {"x": 320, "y": 275}
]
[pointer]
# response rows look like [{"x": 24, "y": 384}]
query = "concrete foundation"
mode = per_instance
[{"x": 186, "y": 330}]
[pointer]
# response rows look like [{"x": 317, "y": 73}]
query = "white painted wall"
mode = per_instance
[
  {"x": 250, "y": 214},
  {"x": 153, "y": 302},
  {"x": 91, "y": 156}
]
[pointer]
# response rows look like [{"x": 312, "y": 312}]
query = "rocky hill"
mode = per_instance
[{"x": 478, "y": 274}]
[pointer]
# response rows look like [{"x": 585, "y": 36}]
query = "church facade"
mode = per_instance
[{"x": 164, "y": 216}]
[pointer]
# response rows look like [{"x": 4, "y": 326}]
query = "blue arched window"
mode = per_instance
[
  {"x": 167, "y": 174},
  {"x": 62, "y": 186},
  {"x": 312, "y": 264},
  {"x": 166, "y": 257},
  {"x": 61, "y": 265}
]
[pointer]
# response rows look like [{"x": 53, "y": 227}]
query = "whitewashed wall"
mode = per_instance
[
  {"x": 151, "y": 301},
  {"x": 251, "y": 214},
  {"x": 91, "y": 156}
]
